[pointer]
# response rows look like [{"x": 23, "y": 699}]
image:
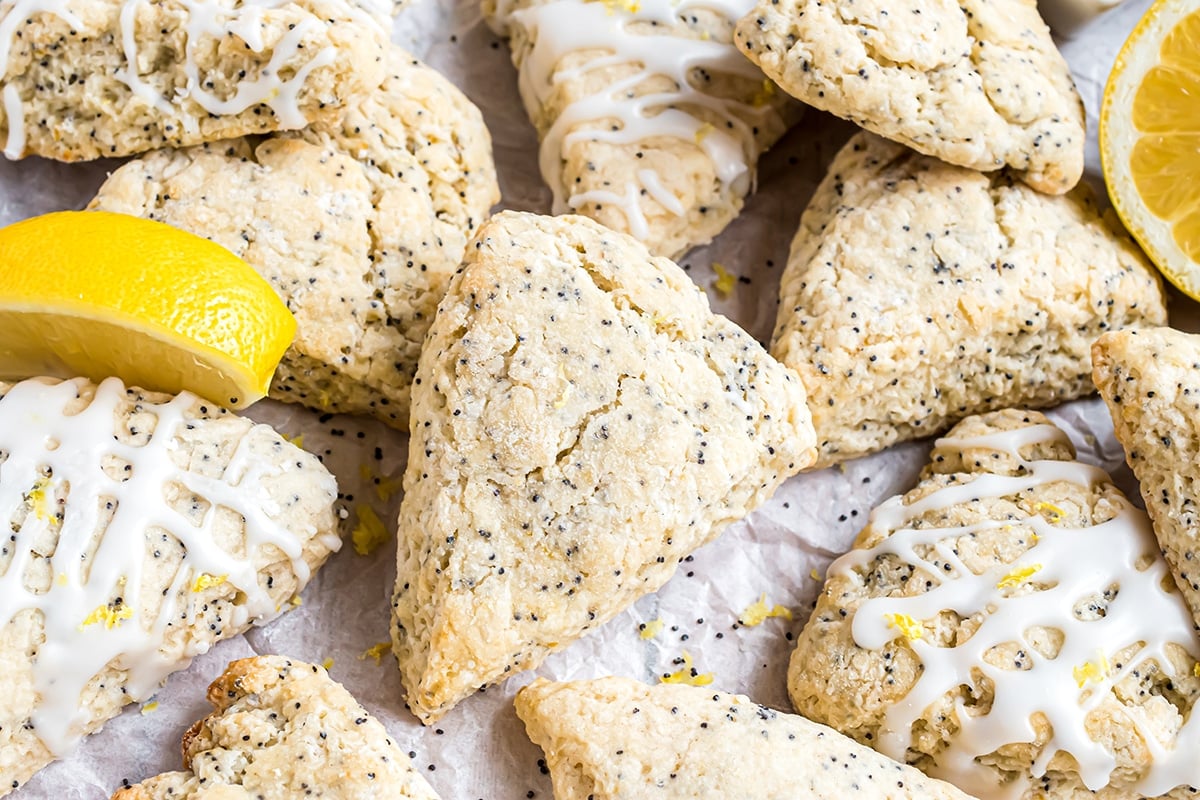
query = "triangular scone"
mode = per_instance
[
  {"x": 1149, "y": 380},
  {"x": 619, "y": 738},
  {"x": 917, "y": 293},
  {"x": 650, "y": 120},
  {"x": 204, "y": 70},
  {"x": 283, "y": 729},
  {"x": 581, "y": 422},
  {"x": 1009, "y": 626},
  {"x": 358, "y": 226},
  {"x": 144, "y": 528},
  {"x": 978, "y": 83}
]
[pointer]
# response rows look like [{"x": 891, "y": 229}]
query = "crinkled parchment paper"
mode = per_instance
[{"x": 480, "y": 750}]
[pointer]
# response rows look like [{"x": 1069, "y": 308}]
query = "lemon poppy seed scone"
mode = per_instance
[
  {"x": 282, "y": 729},
  {"x": 650, "y": 121},
  {"x": 533, "y": 508},
  {"x": 917, "y": 293},
  {"x": 1148, "y": 378},
  {"x": 977, "y": 83},
  {"x": 1009, "y": 626},
  {"x": 357, "y": 225},
  {"x": 145, "y": 528},
  {"x": 86, "y": 79},
  {"x": 619, "y": 738}
]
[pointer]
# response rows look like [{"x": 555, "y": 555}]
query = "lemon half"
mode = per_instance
[{"x": 97, "y": 294}]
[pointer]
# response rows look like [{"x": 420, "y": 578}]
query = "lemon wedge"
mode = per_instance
[
  {"x": 94, "y": 294},
  {"x": 1150, "y": 138}
]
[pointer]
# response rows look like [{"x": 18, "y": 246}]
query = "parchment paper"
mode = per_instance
[{"x": 480, "y": 750}]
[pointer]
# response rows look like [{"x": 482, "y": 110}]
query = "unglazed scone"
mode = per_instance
[
  {"x": 1149, "y": 380},
  {"x": 917, "y": 293},
  {"x": 86, "y": 79},
  {"x": 977, "y": 83},
  {"x": 282, "y": 729},
  {"x": 581, "y": 422},
  {"x": 357, "y": 225},
  {"x": 1008, "y": 625},
  {"x": 145, "y": 528},
  {"x": 650, "y": 121},
  {"x": 619, "y": 738}
]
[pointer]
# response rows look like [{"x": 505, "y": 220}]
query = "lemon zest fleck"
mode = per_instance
[
  {"x": 1196, "y": 669},
  {"x": 376, "y": 652},
  {"x": 565, "y": 395},
  {"x": 205, "y": 581},
  {"x": 764, "y": 94},
  {"x": 327, "y": 664},
  {"x": 296, "y": 601},
  {"x": 110, "y": 616},
  {"x": 632, "y": 6},
  {"x": 149, "y": 708},
  {"x": 38, "y": 500},
  {"x": 909, "y": 627},
  {"x": 687, "y": 674},
  {"x": 1054, "y": 511},
  {"x": 297, "y": 440},
  {"x": 61, "y": 579},
  {"x": 650, "y": 628},
  {"x": 703, "y": 131},
  {"x": 1018, "y": 576},
  {"x": 369, "y": 533},
  {"x": 812, "y": 573},
  {"x": 759, "y": 612},
  {"x": 1095, "y": 671},
  {"x": 726, "y": 281}
]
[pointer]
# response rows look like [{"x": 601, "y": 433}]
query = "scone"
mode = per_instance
[
  {"x": 619, "y": 738},
  {"x": 581, "y": 422},
  {"x": 917, "y": 293},
  {"x": 978, "y": 83},
  {"x": 282, "y": 729},
  {"x": 358, "y": 225},
  {"x": 650, "y": 120},
  {"x": 1009, "y": 626},
  {"x": 145, "y": 528},
  {"x": 86, "y": 79},
  {"x": 1148, "y": 378}
]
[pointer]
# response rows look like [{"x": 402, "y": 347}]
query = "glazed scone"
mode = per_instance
[
  {"x": 581, "y": 422},
  {"x": 978, "y": 83},
  {"x": 619, "y": 738},
  {"x": 282, "y": 729},
  {"x": 358, "y": 226},
  {"x": 1009, "y": 626},
  {"x": 650, "y": 121},
  {"x": 917, "y": 293},
  {"x": 87, "y": 79},
  {"x": 145, "y": 528},
  {"x": 1148, "y": 379}
]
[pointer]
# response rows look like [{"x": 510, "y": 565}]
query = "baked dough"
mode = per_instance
[
  {"x": 977, "y": 83},
  {"x": 1149, "y": 380},
  {"x": 918, "y": 293},
  {"x": 619, "y": 738},
  {"x": 650, "y": 121},
  {"x": 581, "y": 422},
  {"x": 282, "y": 729},
  {"x": 1009, "y": 626},
  {"x": 357, "y": 225},
  {"x": 145, "y": 528},
  {"x": 205, "y": 70}
]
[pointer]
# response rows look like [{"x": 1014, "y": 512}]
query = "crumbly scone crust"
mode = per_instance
[
  {"x": 282, "y": 729},
  {"x": 76, "y": 107},
  {"x": 977, "y": 83},
  {"x": 619, "y": 738},
  {"x": 357, "y": 225},
  {"x": 581, "y": 422},
  {"x": 917, "y": 293},
  {"x": 850, "y": 688},
  {"x": 1148, "y": 378},
  {"x": 203, "y": 447}
]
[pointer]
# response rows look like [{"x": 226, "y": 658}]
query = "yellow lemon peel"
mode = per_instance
[
  {"x": 759, "y": 612},
  {"x": 650, "y": 629},
  {"x": 369, "y": 533},
  {"x": 908, "y": 627},
  {"x": 687, "y": 674}
]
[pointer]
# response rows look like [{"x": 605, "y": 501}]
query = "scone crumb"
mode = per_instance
[
  {"x": 565, "y": 394},
  {"x": 687, "y": 673},
  {"x": 205, "y": 581},
  {"x": 1018, "y": 576},
  {"x": 369, "y": 533},
  {"x": 377, "y": 652},
  {"x": 759, "y": 612},
  {"x": 1091, "y": 671},
  {"x": 909, "y": 627},
  {"x": 726, "y": 281},
  {"x": 650, "y": 628}
]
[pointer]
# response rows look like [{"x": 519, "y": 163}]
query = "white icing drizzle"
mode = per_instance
[
  {"x": 1065, "y": 566},
  {"x": 568, "y": 26},
  {"x": 51, "y": 452},
  {"x": 206, "y": 20}
]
